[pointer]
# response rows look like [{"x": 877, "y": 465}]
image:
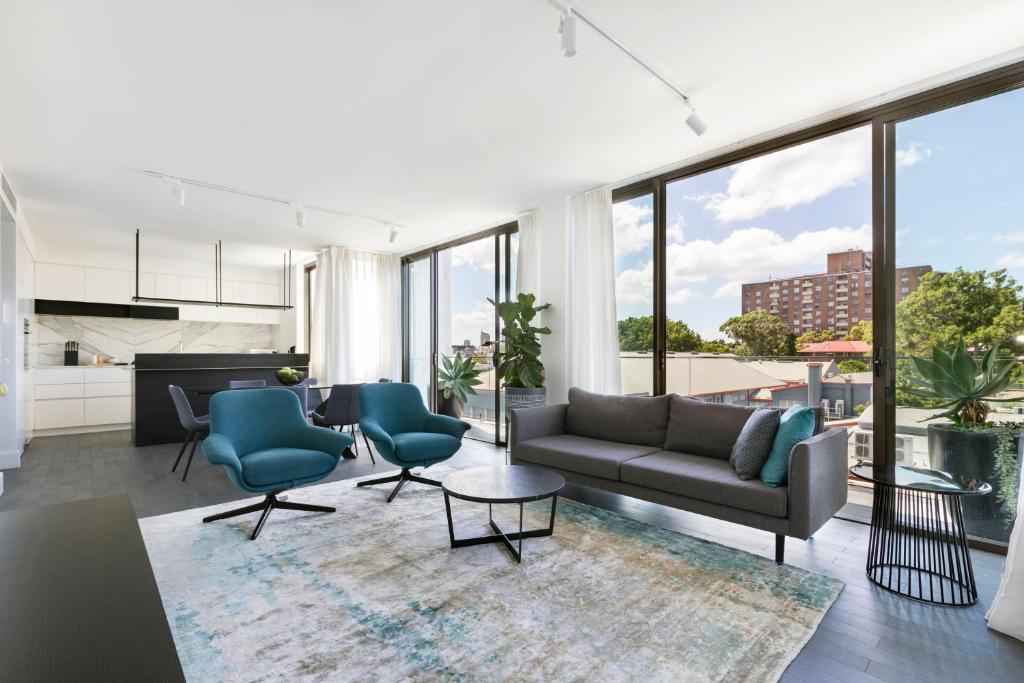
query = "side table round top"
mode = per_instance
[
  {"x": 921, "y": 479},
  {"x": 503, "y": 484}
]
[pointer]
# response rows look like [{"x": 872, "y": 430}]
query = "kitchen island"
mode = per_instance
[{"x": 154, "y": 419}]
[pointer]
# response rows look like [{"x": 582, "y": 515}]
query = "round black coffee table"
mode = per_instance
[
  {"x": 502, "y": 484},
  {"x": 918, "y": 545}
]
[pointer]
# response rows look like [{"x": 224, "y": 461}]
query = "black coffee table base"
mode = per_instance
[
  {"x": 500, "y": 536},
  {"x": 918, "y": 546}
]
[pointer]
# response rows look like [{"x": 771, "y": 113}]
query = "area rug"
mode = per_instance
[{"x": 373, "y": 592}]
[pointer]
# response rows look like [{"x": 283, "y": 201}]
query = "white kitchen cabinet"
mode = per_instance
[
  {"x": 107, "y": 286},
  {"x": 59, "y": 413},
  {"x": 108, "y": 410},
  {"x": 114, "y": 374},
  {"x": 108, "y": 389},
  {"x": 59, "y": 282},
  {"x": 167, "y": 286},
  {"x": 60, "y": 375},
  {"x": 48, "y": 391}
]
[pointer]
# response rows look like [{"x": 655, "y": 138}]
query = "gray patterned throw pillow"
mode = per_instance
[{"x": 754, "y": 443}]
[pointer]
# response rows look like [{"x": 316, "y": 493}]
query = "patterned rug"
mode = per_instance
[{"x": 373, "y": 592}]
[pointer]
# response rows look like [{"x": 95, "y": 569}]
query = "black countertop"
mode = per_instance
[{"x": 219, "y": 361}]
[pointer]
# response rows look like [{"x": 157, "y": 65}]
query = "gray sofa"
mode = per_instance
[{"x": 675, "y": 451}]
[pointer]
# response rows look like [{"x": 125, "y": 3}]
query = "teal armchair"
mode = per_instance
[
  {"x": 405, "y": 433},
  {"x": 262, "y": 440}
]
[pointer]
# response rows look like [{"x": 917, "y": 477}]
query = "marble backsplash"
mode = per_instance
[{"x": 122, "y": 338}]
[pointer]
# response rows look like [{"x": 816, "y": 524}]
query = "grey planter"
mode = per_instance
[{"x": 518, "y": 397}]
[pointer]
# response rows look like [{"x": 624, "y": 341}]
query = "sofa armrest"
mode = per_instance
[
  {"x": 324, "y": 440},
  {"x": 817, "y": 481},
  {"x": 532, "y": 423}
]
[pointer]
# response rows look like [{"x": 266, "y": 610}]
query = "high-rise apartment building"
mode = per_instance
[{"x": 835, "y": 300}]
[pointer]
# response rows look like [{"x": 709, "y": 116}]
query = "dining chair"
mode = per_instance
[
  {"x": 343, "y": 411},
  {"x": 198, "y": 427},
  {"x": 302, "y": 391},
  {"x": 247, "y": 384}
]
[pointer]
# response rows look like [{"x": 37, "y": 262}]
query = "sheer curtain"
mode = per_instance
[
  {"x": 528, "y": 259},
  {"x": 356, "y": 328},
  {"x": 1007, "y": 611},
  {"x": 593, "y": 328}
]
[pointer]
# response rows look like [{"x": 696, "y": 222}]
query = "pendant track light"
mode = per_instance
[
  {"x": 300, "y": 216},
  {"x": 392, "y": 235},
  {"x": 567, "y": 29},
  {"x": 179, "y": 191}
]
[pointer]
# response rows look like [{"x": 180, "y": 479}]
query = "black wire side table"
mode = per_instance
[{"x": 918, "y": 544}]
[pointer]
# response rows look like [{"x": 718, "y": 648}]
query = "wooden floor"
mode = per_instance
[{"x": 868, "y": 635}]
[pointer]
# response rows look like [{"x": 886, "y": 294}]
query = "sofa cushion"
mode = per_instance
[
  {"x": 704, "y": 478},
  {"x": 797, "y": 424},
  {"x": 702, "y": 428},
  {"x": 626, "y": 419},
  {"x": 284, "y": 465},
  {"x": 580, "y": 454},
  {"x": 754, "y": 443}
]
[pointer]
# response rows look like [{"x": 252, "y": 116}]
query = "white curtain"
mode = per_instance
[
  {"x": 356, "y": 328},
  {"x": 593, "y": 329},
  {"x": 528, "y": 259},
  {"x": 1007, "y": 612}
]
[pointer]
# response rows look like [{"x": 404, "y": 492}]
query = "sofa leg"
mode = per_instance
[{"x": 780, "y": 548}]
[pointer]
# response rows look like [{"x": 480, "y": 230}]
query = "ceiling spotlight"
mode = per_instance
[
  {"x": 696, "y": 124},
  {"x": 567, "y": 27},
  {"x": 392, "y": 235},
  {"x": 300, "y": 216}
]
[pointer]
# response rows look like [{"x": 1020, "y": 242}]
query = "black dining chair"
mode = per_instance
[
  {"x": 302, "y": 391},
  {"x": 247, "y": 384},
  {"x": 198, "y": 427},
  {"x": 316, "y": 395},
  {"x": 343, "y": 410}
]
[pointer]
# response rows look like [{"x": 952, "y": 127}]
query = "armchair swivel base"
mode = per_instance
[
  {"x": 402, "y": 477},
  {"x": 269, "y": 503}
]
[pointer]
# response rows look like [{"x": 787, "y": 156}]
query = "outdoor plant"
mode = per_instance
[
  {"x": 519, "y": 364},
  {"x": 959, "y": 383},
  {"x": 1006, "y": 468},
  {"x": 457, "y": 377}
]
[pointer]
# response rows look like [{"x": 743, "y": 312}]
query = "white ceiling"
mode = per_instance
[{"x": 443, "y": 116}]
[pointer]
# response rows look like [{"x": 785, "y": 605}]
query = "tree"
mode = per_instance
[
  {"x": 852, "y": 365},
  {"x": 789, "y": 348},
  {"x": 979, "y": 308},
  {"x": 814, "y": 337},
  {"x": 982, "y": 309},
  {"x": 759, "y": 333},
  {"x": 636, "y": 333},
  {"x": 717, "y": 346},
  {"x": 862, "y": 331}
]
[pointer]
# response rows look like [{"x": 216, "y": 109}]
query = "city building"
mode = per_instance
[{"x": 832, "y": 301}]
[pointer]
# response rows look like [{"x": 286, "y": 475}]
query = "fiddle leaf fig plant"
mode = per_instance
[
  {"x": 519, "y": 363},
  {"x": 960, "y": 382},
  {"x": 457, "y": 377}
]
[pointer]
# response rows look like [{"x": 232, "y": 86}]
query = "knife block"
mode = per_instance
[{"x": 71, "y": 358}]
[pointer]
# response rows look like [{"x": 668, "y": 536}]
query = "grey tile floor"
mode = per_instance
[{"x": 868, "y": 635}]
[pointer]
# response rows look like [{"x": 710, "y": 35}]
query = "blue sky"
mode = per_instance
[{"x": 960, "y": 202}]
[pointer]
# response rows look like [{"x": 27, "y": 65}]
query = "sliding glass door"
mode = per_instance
[
  {"x": 449, "y": 318},
  {"x": 956, "y": 284}
]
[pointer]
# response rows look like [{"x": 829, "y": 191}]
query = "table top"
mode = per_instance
[
  {"x": 921, "y": 479},
  {"x": 503, "y": 484},
  {"x": 79, "y": 598}
]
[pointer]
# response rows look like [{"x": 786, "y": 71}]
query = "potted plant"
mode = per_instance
[
  {"x": 519, "y": 363},
  {"x": 455, "y": 382},
  {"x": 969, "y": 445}
]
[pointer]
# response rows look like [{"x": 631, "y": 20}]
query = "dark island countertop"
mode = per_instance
[{"x": 154, "y": 419}]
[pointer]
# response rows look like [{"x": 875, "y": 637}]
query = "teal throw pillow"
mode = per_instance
[{"x": 797, "y": 424}]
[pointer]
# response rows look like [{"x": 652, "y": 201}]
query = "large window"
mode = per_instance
[
  {"x": 843, "y": 267},
  {"x": 447, "y": 314},
  {"x": 959, "y": 267}
]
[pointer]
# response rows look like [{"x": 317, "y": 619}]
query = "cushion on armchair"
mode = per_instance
[{"x": 285, "y": 465}]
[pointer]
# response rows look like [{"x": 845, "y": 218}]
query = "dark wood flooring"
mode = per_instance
[{"x": 868, "y": 635}]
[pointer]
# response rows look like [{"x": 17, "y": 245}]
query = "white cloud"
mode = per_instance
[
  {"x": 633, "y": 227},
  {"x": 681, "y": 295},
  {"x": 754, "y": 253},
  {"x": 730, "y": 290},
  {"x": 478, "y": 255},
  {"x": 634, "y": 287},
  {"x": 674, "y": 232},
  {"x": 1011, "y": 237},
  {"x": 913, "y": 154},
  {"x": 469, "y": 324},
  {"x": 794, "y": 176},
  {"x": 1013, "y": 259}
]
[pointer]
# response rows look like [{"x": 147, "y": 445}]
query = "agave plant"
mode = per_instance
[
  {"x": 959, "y": 382},
  {"x": 457, "y": 377}
]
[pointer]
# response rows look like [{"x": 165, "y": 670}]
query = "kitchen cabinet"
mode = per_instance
[
  {"x": 107, "y": 286},
  {"x": 59, "y": 282},
  {"x": 76, "y": 397}
]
